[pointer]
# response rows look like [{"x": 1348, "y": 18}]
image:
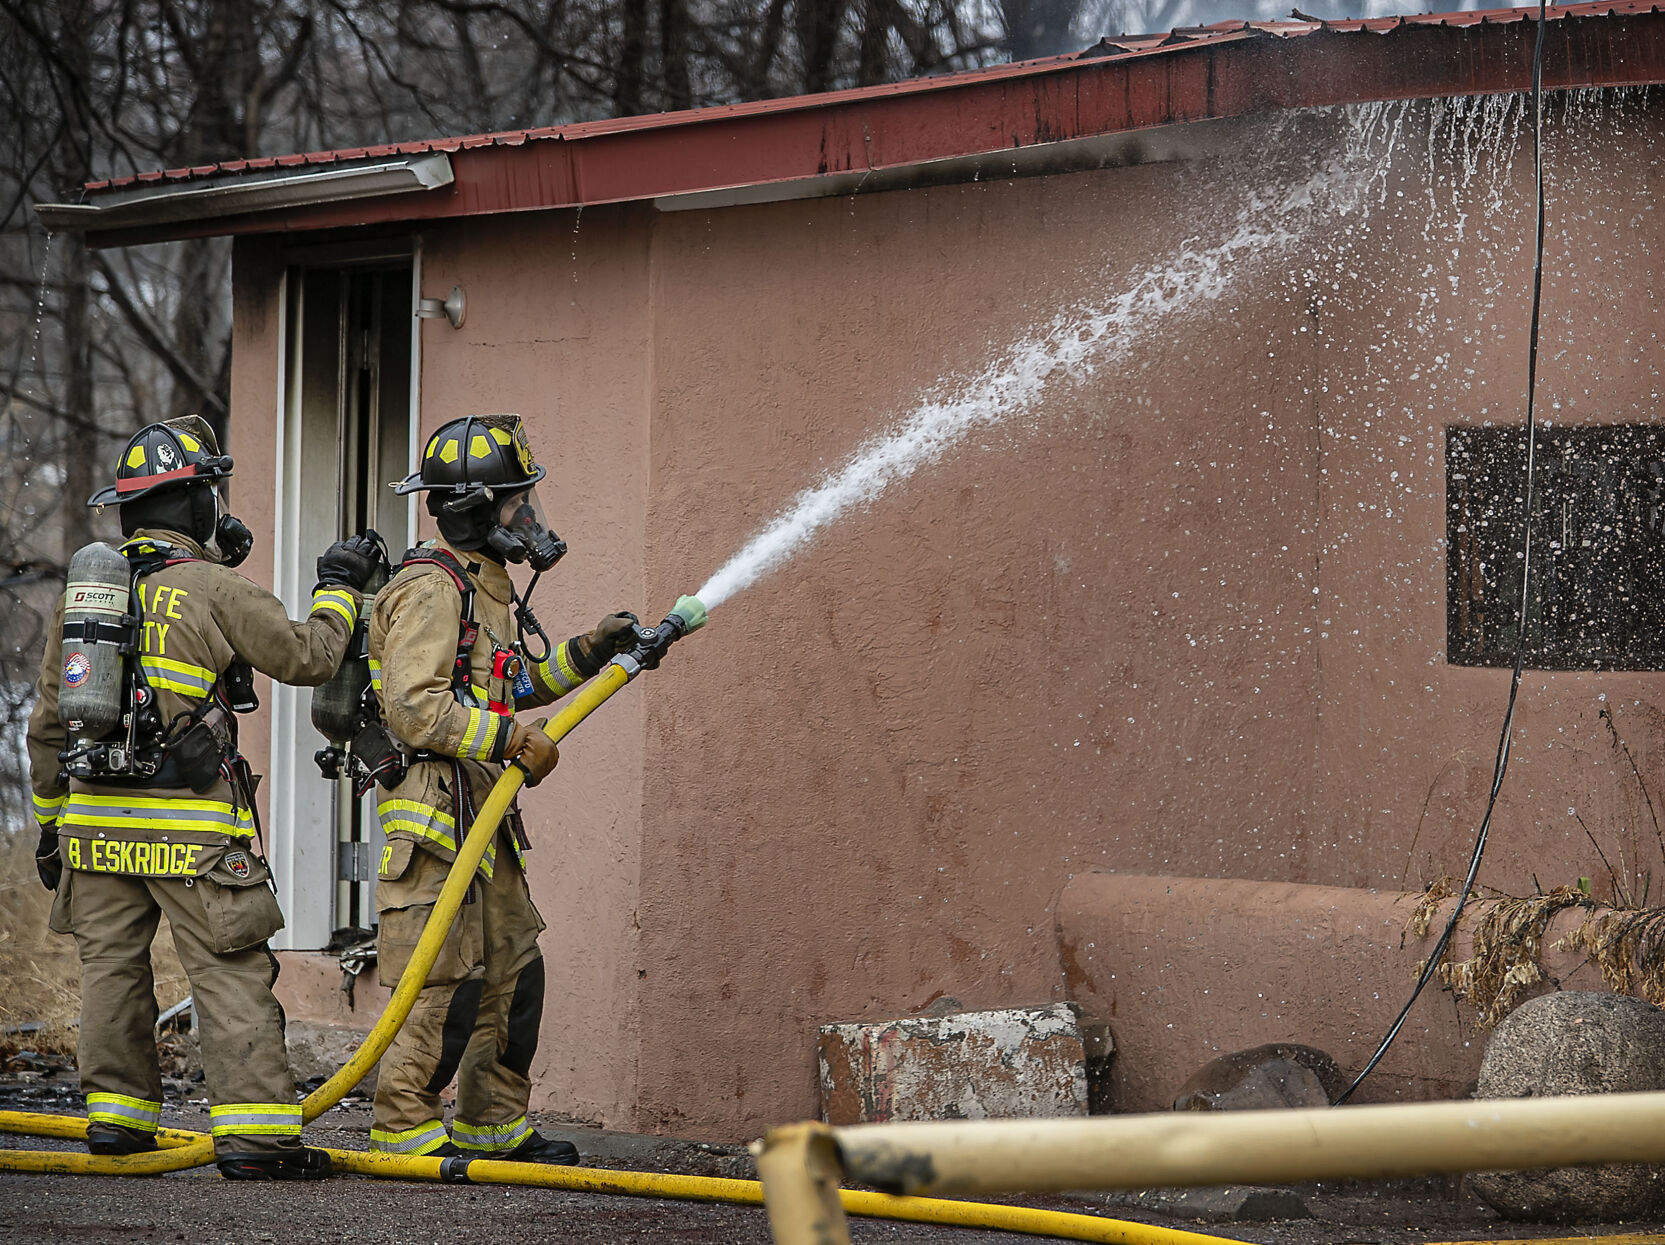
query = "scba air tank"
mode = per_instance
[
  {"x": 336, "y": 704},
  {"x": 96, "y": 629}
]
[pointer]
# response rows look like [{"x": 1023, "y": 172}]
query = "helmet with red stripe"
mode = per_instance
[{"x": 168, "y": 455}]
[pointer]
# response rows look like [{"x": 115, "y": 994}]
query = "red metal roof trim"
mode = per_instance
[
  {"x": 1187, "y": 38},
  {"x": 1229, "y": 70}
]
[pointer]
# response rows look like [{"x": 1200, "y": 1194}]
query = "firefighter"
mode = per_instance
[
  {"x": 160, "y": 818},
  {"x": 449, "y": 674}
]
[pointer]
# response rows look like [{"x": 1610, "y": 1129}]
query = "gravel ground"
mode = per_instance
[{"x": 199, "y": 1208}]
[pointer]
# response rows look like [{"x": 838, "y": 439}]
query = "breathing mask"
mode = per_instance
[
  {"x": 521, "y": 535},
  {"x": 231, "y": 540}
]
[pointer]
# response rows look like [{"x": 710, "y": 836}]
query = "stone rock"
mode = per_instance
[
  {"x": 1575, "y": 1042},
  {"x": 1263, "y": 1078},
  {"x": 317, "y": 1050},
  {"x": 1023, "y": 1062}
]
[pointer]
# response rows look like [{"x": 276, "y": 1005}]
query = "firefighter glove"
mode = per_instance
[
  {"x": 532, "y": 750},
  {"x": 612, "y": 635},
  {"x": 349, "y": 563},
  {"x": 48, "y": 863}
]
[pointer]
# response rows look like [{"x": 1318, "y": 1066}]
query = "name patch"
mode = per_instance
[{"x": 143, "y": 857}]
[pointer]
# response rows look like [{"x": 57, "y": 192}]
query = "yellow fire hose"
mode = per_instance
[
  {"x": 179, "y": 1149},
  {"x": 1057, "y": 1224}
]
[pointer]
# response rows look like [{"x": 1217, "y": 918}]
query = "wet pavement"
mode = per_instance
[{"x": 200, "y": 1208}]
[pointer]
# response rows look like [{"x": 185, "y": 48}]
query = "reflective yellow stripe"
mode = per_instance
[
  {"x": 376, "y": 675},
  {"x": 266, "y": 1119},
  {"x": 138, "y": 1113},
  {"x": 428, "y": 811},
  {"x": 337, "y": 601},
  {"x": 183, "y": 804},
  {"x": 137, "y": 812},
  {"x": 476, "y": 720},
  {"x": 422, "y": 828},
  {"x": 178, "y": 676},
  {"x": 413, "y": 1141},
  {"x": 496, "y": 725},
  {"x": 50, "y": 808},
  {"x": 427, "y": 822},
  {"x": 490, "y": 1136},
  {"x": 569, "y": 672}
]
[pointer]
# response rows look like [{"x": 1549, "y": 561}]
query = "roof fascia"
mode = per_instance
[{"x": 884, "y": 141}]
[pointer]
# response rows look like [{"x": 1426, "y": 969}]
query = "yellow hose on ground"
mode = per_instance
[
  {"x": 201, "y": 1149},
  {"x": 1058, "y": 1224},
  {"x": 179, "y": 1149}
]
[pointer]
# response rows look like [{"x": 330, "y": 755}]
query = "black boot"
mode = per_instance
[
  {"x": 540, "y": 1149},
  {"x": 114, "y": 1139},
  {"x": 302, "y": 1164}
]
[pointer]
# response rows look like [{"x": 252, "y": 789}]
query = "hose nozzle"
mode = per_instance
[
  {"x": 690, "y": 613},
  {"x": 652, "y": 642}
]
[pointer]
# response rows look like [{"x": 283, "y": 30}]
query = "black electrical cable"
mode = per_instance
[{"x": 1501, "y": 766}]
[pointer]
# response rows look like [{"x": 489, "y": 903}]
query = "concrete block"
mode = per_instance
[{"x": 1012, "y": 1063}]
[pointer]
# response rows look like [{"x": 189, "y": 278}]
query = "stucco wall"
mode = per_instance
[
  {"x": 1183, "y": 616},
  {"x": 558, "y": 329},
  {"x": 1189, "y": 618}
]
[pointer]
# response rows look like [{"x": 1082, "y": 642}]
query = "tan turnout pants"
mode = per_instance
[
  {"x": 476, "y": 1019},
  {"x": 220, "y": 932}
]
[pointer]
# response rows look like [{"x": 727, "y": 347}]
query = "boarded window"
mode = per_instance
[{"x": 1598, "y": 574}]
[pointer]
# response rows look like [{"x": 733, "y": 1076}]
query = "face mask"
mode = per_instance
[
  {"x": 521, "y": 535},
  {"x": 232, "y": 541}
]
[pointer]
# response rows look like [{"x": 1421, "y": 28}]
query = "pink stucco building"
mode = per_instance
[{"x": 1160, "y": 684}]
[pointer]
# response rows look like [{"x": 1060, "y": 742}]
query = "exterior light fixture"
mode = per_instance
[
  {"x": 237, "y": 194},
  {"x": 454, "y": 307}
]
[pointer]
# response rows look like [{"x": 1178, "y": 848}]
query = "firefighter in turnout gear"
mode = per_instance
[
  {"x": 450, "y": 668},
  {"x": 157, "y": 816}
]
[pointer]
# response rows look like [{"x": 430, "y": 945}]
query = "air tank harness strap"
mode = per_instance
[
  {"x": 468, "y": 631},
  {"x": 462, "y": 684}
]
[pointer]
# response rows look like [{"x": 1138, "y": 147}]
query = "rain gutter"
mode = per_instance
[{"x": 151, "y": 205}]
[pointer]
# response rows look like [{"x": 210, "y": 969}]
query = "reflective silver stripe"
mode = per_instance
[
  {"x": 490, "y": 1136},
  {"x": 337, "y": 601},
  {"x": 138, "y": 1113},
  {"x": 269, "y": 1118},
  {"x": 418, "y": 1140},
  {"x": 49, "y": 808},
  {"x": 155, "y": 813},
  {"x": 178, "y": 676}
]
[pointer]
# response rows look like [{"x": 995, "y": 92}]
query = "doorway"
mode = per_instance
[{"x": 348, "y": 430}]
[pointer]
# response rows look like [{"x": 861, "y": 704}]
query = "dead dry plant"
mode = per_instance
[
  {"x": 1508, "y": 941},
  {"x": 1628, "y": 948},
  {"x": 1427, "y": 908}
]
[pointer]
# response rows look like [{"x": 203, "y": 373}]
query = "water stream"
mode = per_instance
[
  {"x": 1467, "y": 161},
  {"x": 1265, "y": 222}
]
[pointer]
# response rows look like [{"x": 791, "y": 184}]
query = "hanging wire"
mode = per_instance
[{"x": 1501, "y": 766}]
